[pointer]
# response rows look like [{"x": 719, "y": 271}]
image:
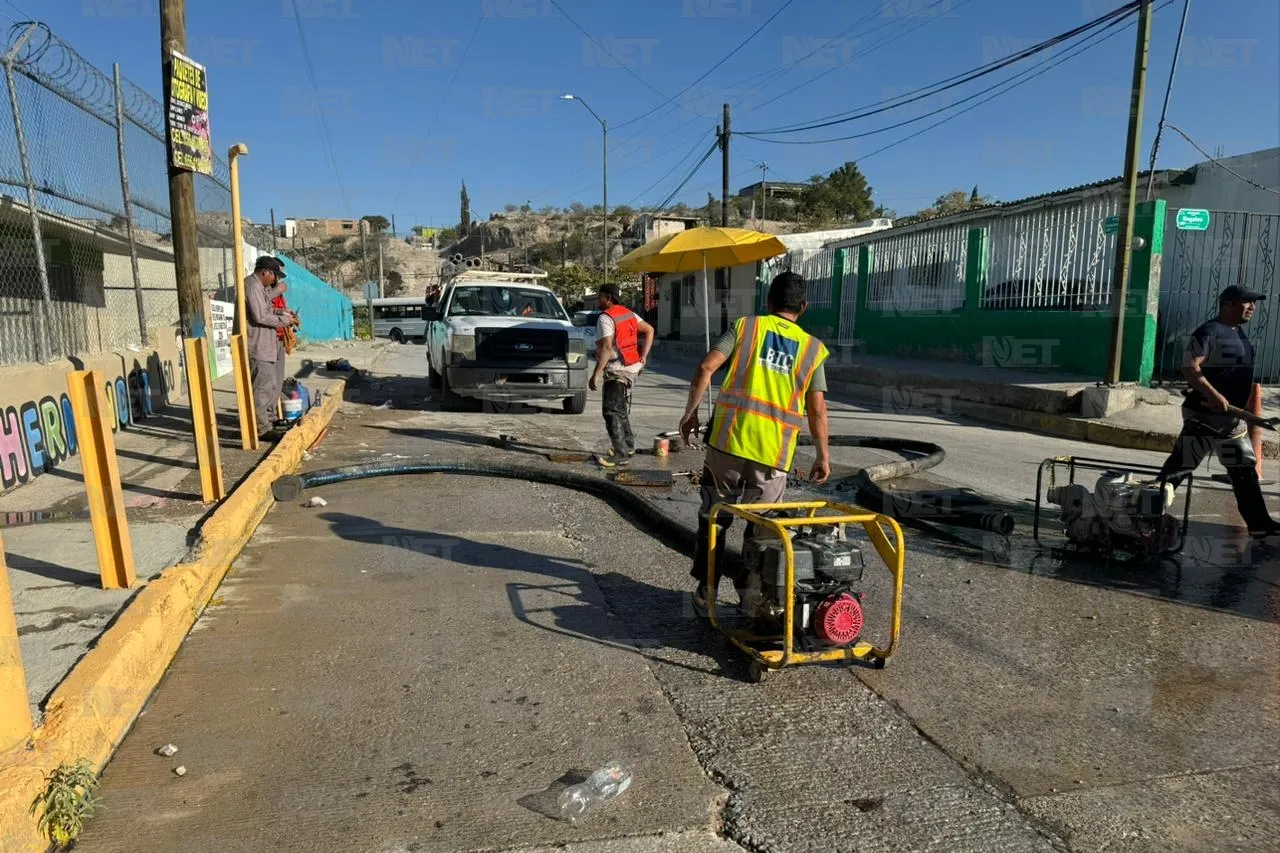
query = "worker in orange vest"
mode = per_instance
[{"x": 623, "y": 341}]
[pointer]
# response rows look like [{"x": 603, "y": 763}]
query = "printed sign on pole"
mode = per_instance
[
  {"x": 187, "y": 115},
  {"x": 221, "y": 317}
]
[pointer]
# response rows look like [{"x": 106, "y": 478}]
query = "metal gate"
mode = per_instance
[{"x": 1237, "y": 248}]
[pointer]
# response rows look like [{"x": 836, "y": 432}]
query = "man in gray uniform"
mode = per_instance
[{"x": 266, "y": 349}]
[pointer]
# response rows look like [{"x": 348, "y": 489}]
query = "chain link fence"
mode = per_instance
[{"x": 86, "y": 247}]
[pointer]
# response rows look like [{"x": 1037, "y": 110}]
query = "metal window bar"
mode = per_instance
[
  {"x": 1055, "y": 258},
  {"x": 921, "y": 271}
]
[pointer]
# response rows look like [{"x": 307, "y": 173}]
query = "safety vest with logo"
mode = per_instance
[
  {"x": 761, "y": 410},
  {"x": 626, "y": 333}
]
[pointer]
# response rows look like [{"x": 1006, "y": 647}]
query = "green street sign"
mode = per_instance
[
  {"x": 1191, "y": 219},
  {"x": 1111, "y": 225}
]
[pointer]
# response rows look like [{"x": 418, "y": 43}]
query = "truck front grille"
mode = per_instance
[{"x": 521, "y": 345}]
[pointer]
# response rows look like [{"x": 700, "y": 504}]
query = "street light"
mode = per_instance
[{"x": 604, "y": 160}]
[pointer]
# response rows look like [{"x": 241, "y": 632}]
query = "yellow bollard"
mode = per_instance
[
  {"x": 204, "y": 420},
  {"x": 240, "y": 358},
  {"x": 244, "y": 392},
  {"x": 101, "y": 479},
  {"x": 15, "y": 708}
]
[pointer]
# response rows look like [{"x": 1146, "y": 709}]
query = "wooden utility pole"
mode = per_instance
[
  {"x": 1124, "y": 238},
  {"x": 724, "y": 169},
  {"x": 275, "y": 245},
  {"x": 182, "y": 191}
]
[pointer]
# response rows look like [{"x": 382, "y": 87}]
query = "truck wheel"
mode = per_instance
[
  {"x": 449, "y": 401},
  {"x": 577, "y": 404}
]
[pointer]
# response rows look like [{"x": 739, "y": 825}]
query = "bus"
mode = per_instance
[{"x": 399, "y": 319}]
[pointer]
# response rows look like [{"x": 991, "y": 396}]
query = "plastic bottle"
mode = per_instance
[{"x": 604, "y": 784}]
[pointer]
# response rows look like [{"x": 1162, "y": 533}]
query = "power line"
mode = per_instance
[
  {"x": 713, "y": 68},
  {"x": 596, "y": 41},
  {"x": 413, "y": 163},
  {"x": 692, "y": 172},
  {"x": 1102, "y": 22},
  {"x": 925, "y": 21},
  {"x": 694, "y": 150},
  {"x": 315, "y": 91},
  {"x": 1219, "y": 163},
  {"x": 1081, "y": 47},
  {"x": 1048, "y": 67},
  {"x": 774, "y": 73}
]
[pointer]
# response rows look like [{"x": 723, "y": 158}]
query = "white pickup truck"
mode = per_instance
[{"x": 504, "y": 338}]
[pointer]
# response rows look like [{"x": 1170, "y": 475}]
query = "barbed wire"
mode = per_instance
[{"x": 51, "y": 62}]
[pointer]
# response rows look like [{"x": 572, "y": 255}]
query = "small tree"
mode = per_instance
[
  {"x": 377, "y": 223},
  {"x": 395, "y": 283}
]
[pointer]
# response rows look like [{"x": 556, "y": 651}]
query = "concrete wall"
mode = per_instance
[
  {"x": 1216, "y": 189},
  {"x": 37, "y": 428},
  {"x": 741, "y": 301}
]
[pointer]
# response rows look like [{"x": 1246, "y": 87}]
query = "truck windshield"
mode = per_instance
[{"x": 498, "y": 301}]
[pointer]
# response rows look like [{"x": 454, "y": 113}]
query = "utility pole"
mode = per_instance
[
  {"x": 724, "y": 169},
  {"x": 275, "y": 245},
  {"x": 394, "y": 235},
  {"x": 1124, "y": 238},
  {"x": 364, "y": 250},
  {"x": 182, "y": 192},
  {"x": 764, "y": 192},
  {"x": 381, "y": 292},
  {"x": 1164, "y": 111}
]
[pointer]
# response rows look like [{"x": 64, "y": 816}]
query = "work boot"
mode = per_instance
[
  {"x": 611, "y": 460},
  {"x": 700, "y": 601}
]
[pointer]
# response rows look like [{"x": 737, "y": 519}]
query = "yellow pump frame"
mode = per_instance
[{"x": 891, "y": 551}]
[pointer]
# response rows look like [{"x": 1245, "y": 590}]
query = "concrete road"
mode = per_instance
[{"x": 423, "y": 663}]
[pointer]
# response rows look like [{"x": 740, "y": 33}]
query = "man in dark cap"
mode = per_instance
[
  {"x": 1218, "y": 365},
  {"x": 266, "y": 349}
]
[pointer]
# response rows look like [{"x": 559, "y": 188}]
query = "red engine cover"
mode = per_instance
[{"x": 838, "y": 620}]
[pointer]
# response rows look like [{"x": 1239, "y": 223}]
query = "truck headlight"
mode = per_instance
[
  {"x": 463, "y": 348},
  {"x": 577, "y": 349}
]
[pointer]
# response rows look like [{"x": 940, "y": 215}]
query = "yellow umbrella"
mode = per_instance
[{"x": 686, "y": 251}]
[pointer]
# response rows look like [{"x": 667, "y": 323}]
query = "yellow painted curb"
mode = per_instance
[{"x": 93, "y": 708}]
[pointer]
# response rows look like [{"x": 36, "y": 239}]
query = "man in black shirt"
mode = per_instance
[{"x": 1218, "y": 365}]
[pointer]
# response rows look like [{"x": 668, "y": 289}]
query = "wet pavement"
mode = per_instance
[{"x": 417, "y": 665}]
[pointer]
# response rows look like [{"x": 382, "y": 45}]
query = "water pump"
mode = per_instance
[{"x": 828, "y": 568}]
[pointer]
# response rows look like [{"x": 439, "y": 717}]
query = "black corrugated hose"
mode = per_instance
[{"x": 957, "y": 510}]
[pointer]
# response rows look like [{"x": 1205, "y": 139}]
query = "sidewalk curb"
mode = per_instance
[{"x": 95, "y": 705}]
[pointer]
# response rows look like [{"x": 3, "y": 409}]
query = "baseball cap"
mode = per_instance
[
  {"x": 266, "y": 262},
  {"x": 610, "y": 290},
  {"x": 1236, "y": 293}
]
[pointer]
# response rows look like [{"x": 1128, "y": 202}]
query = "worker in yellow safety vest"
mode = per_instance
[{"x": 776, "y": 379}]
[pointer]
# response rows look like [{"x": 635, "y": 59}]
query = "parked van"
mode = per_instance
[{"x": 399, "y": 319}]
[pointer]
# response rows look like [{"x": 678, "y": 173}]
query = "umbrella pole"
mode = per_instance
[{"x": 706, "y": 323}]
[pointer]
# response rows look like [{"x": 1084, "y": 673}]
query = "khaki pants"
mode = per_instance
[{"x": 731, "y": 479}]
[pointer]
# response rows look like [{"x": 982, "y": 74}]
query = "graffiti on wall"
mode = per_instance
[{"x": 38, "y": 435}]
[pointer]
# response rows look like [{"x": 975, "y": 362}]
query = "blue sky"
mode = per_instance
[{"x": 383, "y": 68}]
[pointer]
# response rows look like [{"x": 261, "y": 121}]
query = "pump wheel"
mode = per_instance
[
  {"x": 877, "y": 662},
  {"x": 757, "y": 672}
]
